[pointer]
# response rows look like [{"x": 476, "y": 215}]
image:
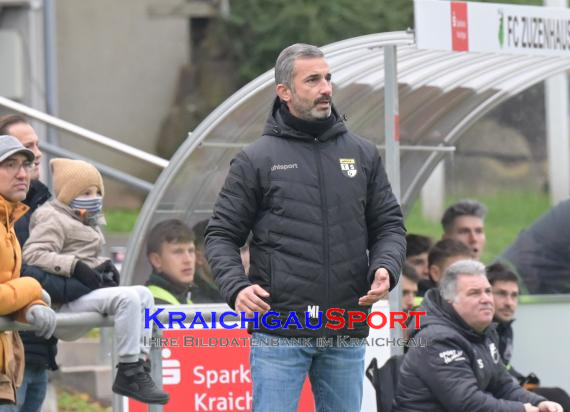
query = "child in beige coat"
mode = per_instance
[{"x": 66, "y": 239}]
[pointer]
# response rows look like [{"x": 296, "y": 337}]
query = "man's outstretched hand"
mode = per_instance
[{"x": 379, "y": 289}]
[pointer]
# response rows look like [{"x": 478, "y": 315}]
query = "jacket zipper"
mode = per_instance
[{"x": 324, "y": 210}]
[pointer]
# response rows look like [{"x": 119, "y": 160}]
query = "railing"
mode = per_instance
[
  {"x": 93, "y": 137},
  {"x": 539, "y": 320},
  {"x": 69, "y": 320}
]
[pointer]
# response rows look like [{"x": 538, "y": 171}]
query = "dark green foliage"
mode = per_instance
[{"x": 257, "y": 30}]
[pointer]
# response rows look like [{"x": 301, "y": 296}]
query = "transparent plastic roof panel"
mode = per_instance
[{"x": 441, "y": 94}]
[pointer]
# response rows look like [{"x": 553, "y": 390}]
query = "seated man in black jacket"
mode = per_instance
[
  {"x": 505, "y": 286},
  {"x": 39, "y": 352},
  {"x": 172, "y": 255},
  {"x": 460, "y": 368}
]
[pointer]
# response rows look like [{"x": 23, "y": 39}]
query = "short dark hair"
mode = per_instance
[
  {"x": 168, "y": 231},
  {"x": 199, "y": 230},
  {"x": 417, "y": 244},
  {"x": 447, "y": 248},
  {"x": 410, "y": 273},
  {"x": 9, "y": 120},
  {"x": 498, "y": 272},
  {"x": 465, "y": 207}
]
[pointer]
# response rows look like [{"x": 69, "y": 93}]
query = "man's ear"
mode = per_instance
[
  {"x": 155, "y": 260},
  {"x": 283, "y": 92},
  {"x": 435, "y": 273}
]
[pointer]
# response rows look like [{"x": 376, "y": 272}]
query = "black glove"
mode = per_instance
[
  {"x": 108, "y": 267},
  {"x": 108, "y": 282},
  {"x": 89, "y": 277}
]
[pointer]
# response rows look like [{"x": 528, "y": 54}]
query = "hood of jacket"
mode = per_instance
[
  {"x": 37, "y": 195},
  {"x": 178, "y": 289},
  {"x": 10, "y": 212},
  {"x": 440, "y": 312},
  {"x": 276, "y": 126}
]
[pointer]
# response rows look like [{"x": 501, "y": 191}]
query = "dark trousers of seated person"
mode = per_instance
[{"x": 555, "y": 395}]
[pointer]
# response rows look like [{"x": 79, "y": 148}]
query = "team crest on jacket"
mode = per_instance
[{"x": 348, "y": 167}]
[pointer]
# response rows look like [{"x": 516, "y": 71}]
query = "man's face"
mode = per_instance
[
  {"x": 506, "y": 295},
  {"x": 436, "y": 271},
  {"x": 470, "y": 231},
  {"x": 409, "y": 292},
  {"x": 420, "y": 264},
  {"x": 310, "y": 97},
  {"x": 15, "y": 177},
  {"x": 29, "y": 139},
  {"x": 176, "y": 260},
  {"x": 474, "y": 301}
]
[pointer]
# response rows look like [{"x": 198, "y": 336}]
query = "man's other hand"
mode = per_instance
[
  {"x": 250, "y": 300},
  {"x": 548, "y": 406},
  {"x": 378, "y": 290}
]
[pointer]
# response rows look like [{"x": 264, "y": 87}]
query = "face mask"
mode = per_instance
[{"x": 91, "y": 205}]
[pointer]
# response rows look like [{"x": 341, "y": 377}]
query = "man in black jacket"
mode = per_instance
[
  {"x": 460, "y": 369},
  {"x": 327, "y": 233},
  {"x": 505, "y": 286},
  {"x": 39, "y": 352}
]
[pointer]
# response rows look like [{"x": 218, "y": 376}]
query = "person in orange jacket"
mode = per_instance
[{"x": 22, "y": 298}]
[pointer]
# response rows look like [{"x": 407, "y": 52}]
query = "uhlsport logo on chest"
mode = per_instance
[{"x": 348, "y": 167}]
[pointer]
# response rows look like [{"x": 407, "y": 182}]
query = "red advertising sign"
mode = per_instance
[
  {"x": 208, "y": 370},
  {"x": 459, "y": 27}
]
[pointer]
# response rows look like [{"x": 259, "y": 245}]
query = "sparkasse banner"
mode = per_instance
[
  {"x": 207, "y": 370},
  {"x": 491, "y": 27}
]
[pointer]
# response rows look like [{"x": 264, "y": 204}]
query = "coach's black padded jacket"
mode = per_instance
[
  {"x": 458, "y": 369},
  {"x": 315, "y": 206}
]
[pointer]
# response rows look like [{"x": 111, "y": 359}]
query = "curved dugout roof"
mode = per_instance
[{"x": 441, "y": 94}]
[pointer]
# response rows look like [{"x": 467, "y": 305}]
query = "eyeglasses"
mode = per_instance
[{"x": 13, "y": 166}]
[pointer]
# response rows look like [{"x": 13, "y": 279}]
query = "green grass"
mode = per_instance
[
  {"x": 121, "y": 220},
  {"x": 508, "y": 214},
  {"x": 77, "y": 402}
]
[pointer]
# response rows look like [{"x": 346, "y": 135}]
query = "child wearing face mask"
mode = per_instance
[{"x": 66, "y": 239}]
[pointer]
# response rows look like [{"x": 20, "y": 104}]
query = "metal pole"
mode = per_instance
[
  {"x": 117, "y": 401},
  {"x": 156, "y": 363},
  {"x": 392, "y": 140},
  {"x": 557, "y": 129},
  {"x": 50, "y": 66},
  {"x": 88, "y": 134},
  {"x": 105, "y": 170}
]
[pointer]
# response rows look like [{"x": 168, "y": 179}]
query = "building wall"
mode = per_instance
[{"x": 118, "y": 71}]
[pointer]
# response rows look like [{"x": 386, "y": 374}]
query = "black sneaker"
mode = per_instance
[
  {"x": 146, "y": 365},
  {"x": 133, "y": 381}
]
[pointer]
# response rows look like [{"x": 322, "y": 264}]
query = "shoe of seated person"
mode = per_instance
[
  {"x": 134, "y": 381},
  {"x": 146, "y": 365}
]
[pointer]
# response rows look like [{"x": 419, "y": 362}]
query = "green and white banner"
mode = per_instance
[{"x": 490, "y": 27}]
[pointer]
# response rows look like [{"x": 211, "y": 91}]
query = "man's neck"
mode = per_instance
[{"x": 314, "y": 128}]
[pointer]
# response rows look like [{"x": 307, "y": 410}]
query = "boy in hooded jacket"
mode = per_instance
[{"x": 66, "y": 239}]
